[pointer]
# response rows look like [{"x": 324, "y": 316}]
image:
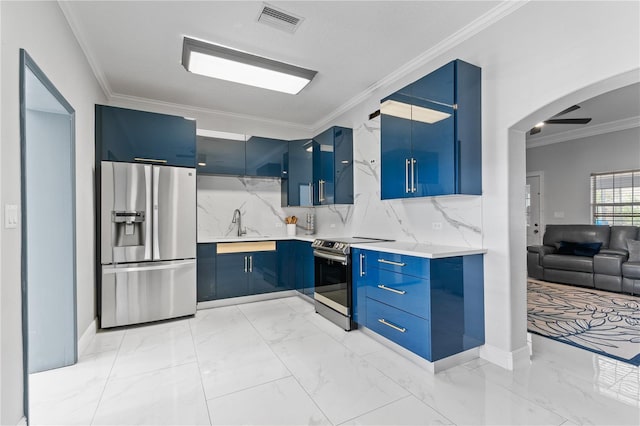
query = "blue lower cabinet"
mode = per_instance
[
  {"x": 232, "y": 279},
  {"x": 303, "y": 268},
  {"x": 409, "y": 331},
  {"x": 206, "y": 272},
  {"x": 263, "y": 272},
  {"x": 433, "y": 307}
]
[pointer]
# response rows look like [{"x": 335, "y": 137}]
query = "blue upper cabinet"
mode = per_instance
[
  {"x": 128, "y": 135},
  {"x": 220, "y": 156},
  {"x": 320, "y": 170},
  {"x": 431, "y": 135},
  {"x": 265, "y": 157},
  {"x": 257, "y": 156},
  {"x": 333, "y": 167},
  {"x": 298, "y": 187}
]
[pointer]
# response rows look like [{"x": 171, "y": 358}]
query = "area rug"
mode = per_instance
[{"x": 598, "y": 321}]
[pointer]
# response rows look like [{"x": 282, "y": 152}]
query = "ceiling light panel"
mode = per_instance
[
  {"x": 412, "y": 112},
  {"x": 220, "y": 62}
]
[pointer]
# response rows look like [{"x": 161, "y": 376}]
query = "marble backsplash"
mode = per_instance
[{"x": 448, "y": 220}]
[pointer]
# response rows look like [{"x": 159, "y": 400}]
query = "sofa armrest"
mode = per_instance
[
  {"x": 615, "y": 252},
  {"x": 541, "y": 250}
]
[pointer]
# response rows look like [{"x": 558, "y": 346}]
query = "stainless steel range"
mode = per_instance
[{"x": 333, "y": 287}]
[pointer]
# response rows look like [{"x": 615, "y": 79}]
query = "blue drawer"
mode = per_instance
[
  {"x": 409, "y": 331},
  {"x": 406, "y": 292},
  {"x": 401, "y": 263}
]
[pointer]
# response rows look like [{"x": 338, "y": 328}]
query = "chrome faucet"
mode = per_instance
[{"x": 237, "y": 218}]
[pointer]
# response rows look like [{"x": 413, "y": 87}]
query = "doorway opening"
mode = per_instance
[
  {"x": 525, "y": 171},
  {"x": 48, "y": 205}
]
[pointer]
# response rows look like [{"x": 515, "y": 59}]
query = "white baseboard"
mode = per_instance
[
  {"x": 245, "y": 299},
  {"x": 87, "y": 336},
  {"x": 508, "y": 360},
  {"x": 22, "y": 422}
]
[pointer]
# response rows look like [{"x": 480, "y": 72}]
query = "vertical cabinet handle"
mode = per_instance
[
  {"x": 245, "y": 263},
  {"x": 413, "y": 175},
  {"x": 406, "y": 176},
  {"x": 362, "y": 265},
  {"x": 250, "y": 263},
  {"x": 310, "y": 193}
]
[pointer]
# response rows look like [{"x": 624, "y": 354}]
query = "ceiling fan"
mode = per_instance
[{"x": 555, "y": 120}]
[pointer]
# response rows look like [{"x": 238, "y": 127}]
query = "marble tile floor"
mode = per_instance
[{"x": 279, "y": 363}]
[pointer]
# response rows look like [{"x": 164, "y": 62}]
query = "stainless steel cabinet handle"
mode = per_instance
[
  {"x": 393, "y": 290},
  {"x": 156, "y": 219},
  {"x": 250, "y": 263},
  {"x": 388, "y": 324},
  {"x": 361, "y": 264},
  {"x": 390, "y": 262},
  {"x": 310, "y": 193},
  {"x": 150, "y": 160},
  {"x": 321, "y": 190},
  {"x": 406, "y": 176},
  {"x": 413, "y": 175},
  {"x": 246, "y": 262}
]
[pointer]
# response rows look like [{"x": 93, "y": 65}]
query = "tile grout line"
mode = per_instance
[
  {"x": 106, "y": 382},
  {"x": 285, "y": 365},
  {"x": 195, "y": 350}
]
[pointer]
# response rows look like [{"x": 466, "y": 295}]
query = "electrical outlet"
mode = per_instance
[
  {"x": 278, "y": 224},
  {"x": 333, "y": 225},
  {"x": 436, "y": 225},
  {"x": 10, "y": 216}
]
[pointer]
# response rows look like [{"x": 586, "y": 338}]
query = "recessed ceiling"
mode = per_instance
[{"x": 135, "y": 48}]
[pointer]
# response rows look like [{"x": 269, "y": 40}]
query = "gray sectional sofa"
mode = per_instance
[{"x": 595, "y": 256}]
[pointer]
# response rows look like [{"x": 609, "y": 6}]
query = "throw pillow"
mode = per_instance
[
  {"x": 587, "y": 249},
  {"x": 634, "y": 250},
  {"x": 565, "y": 247},
  {"x": 579, "y": 249}
]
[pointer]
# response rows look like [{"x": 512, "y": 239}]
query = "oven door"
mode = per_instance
[{"x": 333, "y": 281}]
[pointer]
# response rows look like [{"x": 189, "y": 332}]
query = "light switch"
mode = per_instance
[{"x": 10, "y": 216}]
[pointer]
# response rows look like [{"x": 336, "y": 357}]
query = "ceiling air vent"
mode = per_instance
[{"x": 278, "y": 18}]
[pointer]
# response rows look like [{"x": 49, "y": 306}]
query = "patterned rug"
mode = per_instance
[{"x": 598, "y": 321}]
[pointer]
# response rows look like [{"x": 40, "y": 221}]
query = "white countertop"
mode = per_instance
[{"x": 431, "y": 251}]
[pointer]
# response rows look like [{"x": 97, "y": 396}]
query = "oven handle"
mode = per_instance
[{"x": 329, "y": 256}]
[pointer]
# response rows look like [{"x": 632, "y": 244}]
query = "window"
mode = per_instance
[{"x": 615, "y": 198}]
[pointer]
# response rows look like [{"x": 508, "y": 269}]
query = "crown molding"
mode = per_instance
[
  {"x": 93, "y": 63},
  {"x": 491, "y": 17},
  {"x": 494, "y": 15},
  {"x": 584, "y": 132},
  {"x": 127, "y": 99}
]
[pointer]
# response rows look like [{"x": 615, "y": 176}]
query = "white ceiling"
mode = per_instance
[
  {"x": 135, "y": 48},
  {"x": 615, "y": 110}
]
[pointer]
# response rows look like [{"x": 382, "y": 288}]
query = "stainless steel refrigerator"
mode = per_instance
[{"x": 148, "y": 243}]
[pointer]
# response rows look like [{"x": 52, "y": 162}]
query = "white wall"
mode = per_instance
[
  {"x": 567, "y": 167},
  {"x": 41, "y": 29}
]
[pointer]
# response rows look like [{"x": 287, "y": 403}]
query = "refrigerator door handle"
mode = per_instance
[
  {"x": 147, "y": 267},
  {"x": 156, "y": 243},
  {"x": 148, "y": 231}
]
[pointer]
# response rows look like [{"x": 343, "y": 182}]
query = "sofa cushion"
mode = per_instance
[
  {"x": 577, "y": 233},
  {"x": 567, "y": 262},
  {"x": 578, "y": 249},
  {"x": 633, "y": 247},
  {"x": 631, "y": 270},
  {"x": 620, "y": 235}
]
